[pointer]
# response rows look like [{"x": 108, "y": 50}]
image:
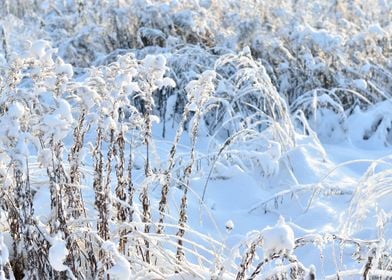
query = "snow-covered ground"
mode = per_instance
[{"x": 314, "y": 197}]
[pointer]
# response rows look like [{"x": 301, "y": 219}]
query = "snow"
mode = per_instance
[
  {"x": 154, "y": 62},
  {"x": 166, "y": 82},
  {"x": 121, "y": 267},
  {"x": 21, "y": 147},
  {"x": 155, "y": 119},
  {"x": 311, "y": 274},
  {"x": 4, "y": 254},
  {"x": 58, "y": 254},
  {"x": 45, "y": 157},
  {"x": 278, "y": 239},
  {"x": 39, "y": 48},
  {"x": 55, "y": 125},
  {"x": 229, "y": 225},
  {"x": 16, "y": 110},
  {"x": 89, "y": 97},
  {"x": 65, "y": 68},
  {"x": 64, "y": 109},
  {"x": 377, "y": 30},
  {"x": 360, "y": 84},
  {"x": 370, "y": 129}
]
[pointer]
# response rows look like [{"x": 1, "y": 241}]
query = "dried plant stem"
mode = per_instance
[
  {"x": 4, "y": 42},
  {"x": 146, "y": 219},
  {"x": 186, "y": 179},
  {"x": 168, "y": 171},
  {"x": 100, "y": 199},
  {"x": 73, "y": 192},
  {"x": 130, "y": 187},
  {"x": 56, "y": 184},
  {"x": 144, "y": 195},
  {"x": 106, "y": 187},
  {"x": 247, "y": 260},
  {"x": 122, "y": 212}
]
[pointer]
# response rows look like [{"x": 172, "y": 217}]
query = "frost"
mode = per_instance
[{"x": 198, "y": 91}]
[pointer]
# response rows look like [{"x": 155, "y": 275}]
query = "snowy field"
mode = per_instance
[{"x": 200, "y": 139}]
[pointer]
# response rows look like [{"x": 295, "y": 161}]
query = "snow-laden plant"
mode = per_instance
[
  {"x": 38, "y": 117},
  {"x": 325, "y": 113},
  {"x": 198, "y": 93},
  {"x": 372, "y": 189},
  {"x": 276, "y": 242},
  {"x": 246, "y": 110},
  {"x": 250, "y": 93}
]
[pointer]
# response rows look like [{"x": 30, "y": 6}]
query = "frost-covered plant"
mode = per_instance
[
  {"x": 198, "y": 93},
  {"x": 372, "y": 189},
  {"x": 249, "y": 91},
  {"x": 276, "y": 242},
  {"x": 40, "y": 117}
]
